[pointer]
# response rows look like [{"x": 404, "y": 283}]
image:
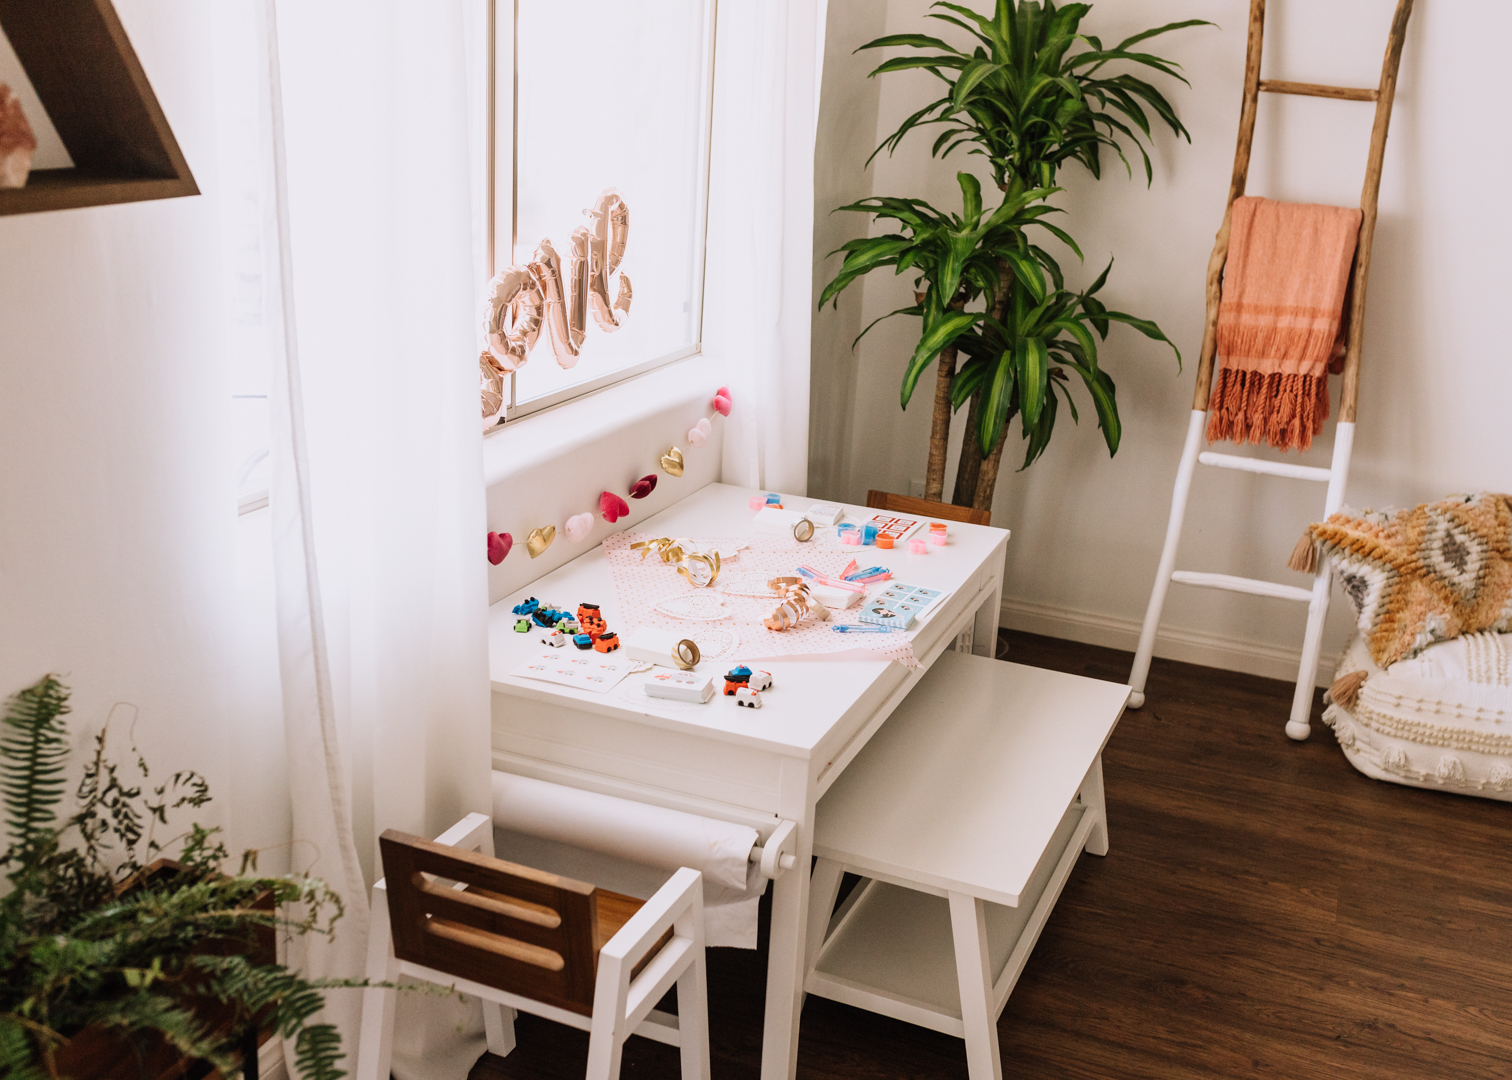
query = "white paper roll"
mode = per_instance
[{"x": 641, "y": 833}]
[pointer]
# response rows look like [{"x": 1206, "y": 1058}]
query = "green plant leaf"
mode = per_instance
[
  {"x": 997, "y": 403},
  {"x": 971, "y": 199},
  {"x": 918, "y": 41},
  {"x": 1027, "y": 269},
  {"x": 935, "y": 340},
  {"x": 1032, "y": 361},
  {"x": 1147, "y": 328},
  {"x": 1038, "y": 434}
]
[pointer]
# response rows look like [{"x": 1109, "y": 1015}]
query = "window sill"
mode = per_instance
[
  {"x": 546, "y": 437},
  {"x": 547, "y": 467}
]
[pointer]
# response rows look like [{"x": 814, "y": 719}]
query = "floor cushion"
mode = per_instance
[{"x": 1441, "y": 720}]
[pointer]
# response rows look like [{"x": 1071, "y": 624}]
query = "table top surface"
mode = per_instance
[
  {"x": 808, "y": 698},
  {"x": 966, "y": 783}
]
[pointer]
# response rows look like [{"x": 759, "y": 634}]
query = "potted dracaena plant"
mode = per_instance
[
  {"x": 1032, "y": 93},
  {"x": 117, "y": 961}
]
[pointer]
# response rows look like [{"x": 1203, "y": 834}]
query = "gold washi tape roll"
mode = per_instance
[{"x": 686, "y": 654}]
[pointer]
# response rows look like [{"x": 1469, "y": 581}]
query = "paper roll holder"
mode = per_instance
[{"x": 777, "y": 854}]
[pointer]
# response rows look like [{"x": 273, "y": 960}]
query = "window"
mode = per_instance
[{"x": 600, "y": 140}]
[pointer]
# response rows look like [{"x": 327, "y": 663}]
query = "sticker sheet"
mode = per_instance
[{"x": 584, "y": 669}]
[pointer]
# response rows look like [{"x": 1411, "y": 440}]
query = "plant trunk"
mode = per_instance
[
  {"x": 987, "y": 478},
  {"x": 968, "y": 472},
  {"x": 970, "y": 464},
  {"x": 939, "y": 430}
]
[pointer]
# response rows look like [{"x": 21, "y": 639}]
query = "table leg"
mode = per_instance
[
  {"x": 1092, "y": 798},
  {"x": 985, "y": 631},
  {"x": 785, "y": 967}
]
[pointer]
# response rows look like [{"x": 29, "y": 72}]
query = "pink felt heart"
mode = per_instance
[
  {"x": 612, "y": 507},
  {"x": 498, "y": 547},
  {"x": 722, "y": 403},
  {"x": 643, "y": 487},
  {"x": 579, "y": 526},
  {"x": 697, "y": 436}
]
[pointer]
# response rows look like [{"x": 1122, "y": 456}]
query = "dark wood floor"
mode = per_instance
[{"x": 1265, "y": 911}]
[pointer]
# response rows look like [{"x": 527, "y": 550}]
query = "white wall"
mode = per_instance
[
  {"x": 119, "y": 538},
  {"x": 1436, "y": 380}
]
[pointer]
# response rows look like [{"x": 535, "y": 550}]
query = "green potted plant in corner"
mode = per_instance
[
  {"x": 115, "y": 961},
  {"x": 1032, "y": 94}
]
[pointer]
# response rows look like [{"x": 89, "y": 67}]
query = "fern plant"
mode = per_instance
[{"x": 94, "y": 935}]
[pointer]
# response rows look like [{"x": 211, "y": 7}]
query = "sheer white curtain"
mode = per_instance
[
  {"x": 377, "y": 495},
  {"x": 761, "y": 232}
]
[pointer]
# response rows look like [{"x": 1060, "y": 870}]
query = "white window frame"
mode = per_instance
[{"x": 503, "y": 207}]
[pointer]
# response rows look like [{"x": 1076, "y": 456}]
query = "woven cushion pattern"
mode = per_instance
[
  {"x": 1440, "y": 720},
  {"x": 1424, "y": 575}
]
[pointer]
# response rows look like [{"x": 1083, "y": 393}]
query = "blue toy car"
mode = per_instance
[
  {"x": 582, "y": 641},
  {"x": 527, "y": 607}
]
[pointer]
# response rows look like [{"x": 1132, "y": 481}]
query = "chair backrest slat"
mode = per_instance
[
  {"x": 907, "y": 504},
  {"x": 511, "y": 927}
]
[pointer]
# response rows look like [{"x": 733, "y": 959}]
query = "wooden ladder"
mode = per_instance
[{"x": 1335, "y": 476}]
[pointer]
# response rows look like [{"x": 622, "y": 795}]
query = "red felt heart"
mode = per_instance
[
  {"x": 498, "y": 547},
  {"x": 722, "y": 403},
  {"x": 643, "y": 487},
  {"x": 612, "y": 506}
]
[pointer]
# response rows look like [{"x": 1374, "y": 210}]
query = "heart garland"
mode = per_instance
[
  {"x": 611, "y": 506},
  {"x": 539, "y": 540},
  {"x": 643, "y": 487}
]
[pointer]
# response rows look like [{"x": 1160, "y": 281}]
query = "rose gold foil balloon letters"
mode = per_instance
[{"x": 520, "y": 299}]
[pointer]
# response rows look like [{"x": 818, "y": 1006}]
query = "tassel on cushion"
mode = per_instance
[
  {"x": 1345, "y": 690},
  {"x": 1304, "y": 557}
]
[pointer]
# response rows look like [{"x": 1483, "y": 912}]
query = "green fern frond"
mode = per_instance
[{"x": 33, "y": 752}]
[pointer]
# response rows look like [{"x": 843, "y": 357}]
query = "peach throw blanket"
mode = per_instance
[{"x": 1279, "y": 324}]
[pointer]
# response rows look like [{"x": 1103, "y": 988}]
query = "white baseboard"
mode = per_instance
[{"x": 1174, "y": 642}]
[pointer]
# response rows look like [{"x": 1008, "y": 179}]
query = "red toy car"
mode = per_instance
[{"x": 606, "y": 642}]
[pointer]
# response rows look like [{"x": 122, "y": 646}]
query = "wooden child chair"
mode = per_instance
[
  {"x": 907, "y": 504},
  {"x": 449, "y": 913}
]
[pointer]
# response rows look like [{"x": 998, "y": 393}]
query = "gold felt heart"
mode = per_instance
[
  {"x": 539, "y": 540},
  {"x": 672, "y": 462}
]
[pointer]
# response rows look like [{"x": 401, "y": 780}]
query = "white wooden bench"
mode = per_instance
[{"x": 966, "y": 812}]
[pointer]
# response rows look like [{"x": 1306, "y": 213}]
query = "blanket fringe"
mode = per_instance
[{"x": 1285, "y": 411}]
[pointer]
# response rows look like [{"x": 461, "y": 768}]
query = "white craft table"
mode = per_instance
[{"x": 756, "y": 767}]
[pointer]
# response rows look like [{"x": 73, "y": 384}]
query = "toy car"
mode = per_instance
[
  {"x": 522, "y": 626},
  {"x": 526, "y": 607},
  {"x": 590, "y": 621},
  {"x": 736, "y": 678},
  {"x": 548, "y": 617},
  {"x": 607, "y": 642},
  {"x": 556, "y": 639},
  {"x": 568, "y": 625},
  {"x": 582, "y": 641},
  {"x": 760, "y": 680},
  {"x": 750, "y": 699}
]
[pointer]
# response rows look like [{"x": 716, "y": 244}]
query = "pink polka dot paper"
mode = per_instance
[{"x": 641, "y": 584}]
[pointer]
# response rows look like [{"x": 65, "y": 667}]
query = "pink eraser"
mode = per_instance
[
  {"x": 758, "y": 501},
  {"x": 916, "y": 546},
  {"x": 852, "y": 538},
  {"x": 938, "y": 539}
]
